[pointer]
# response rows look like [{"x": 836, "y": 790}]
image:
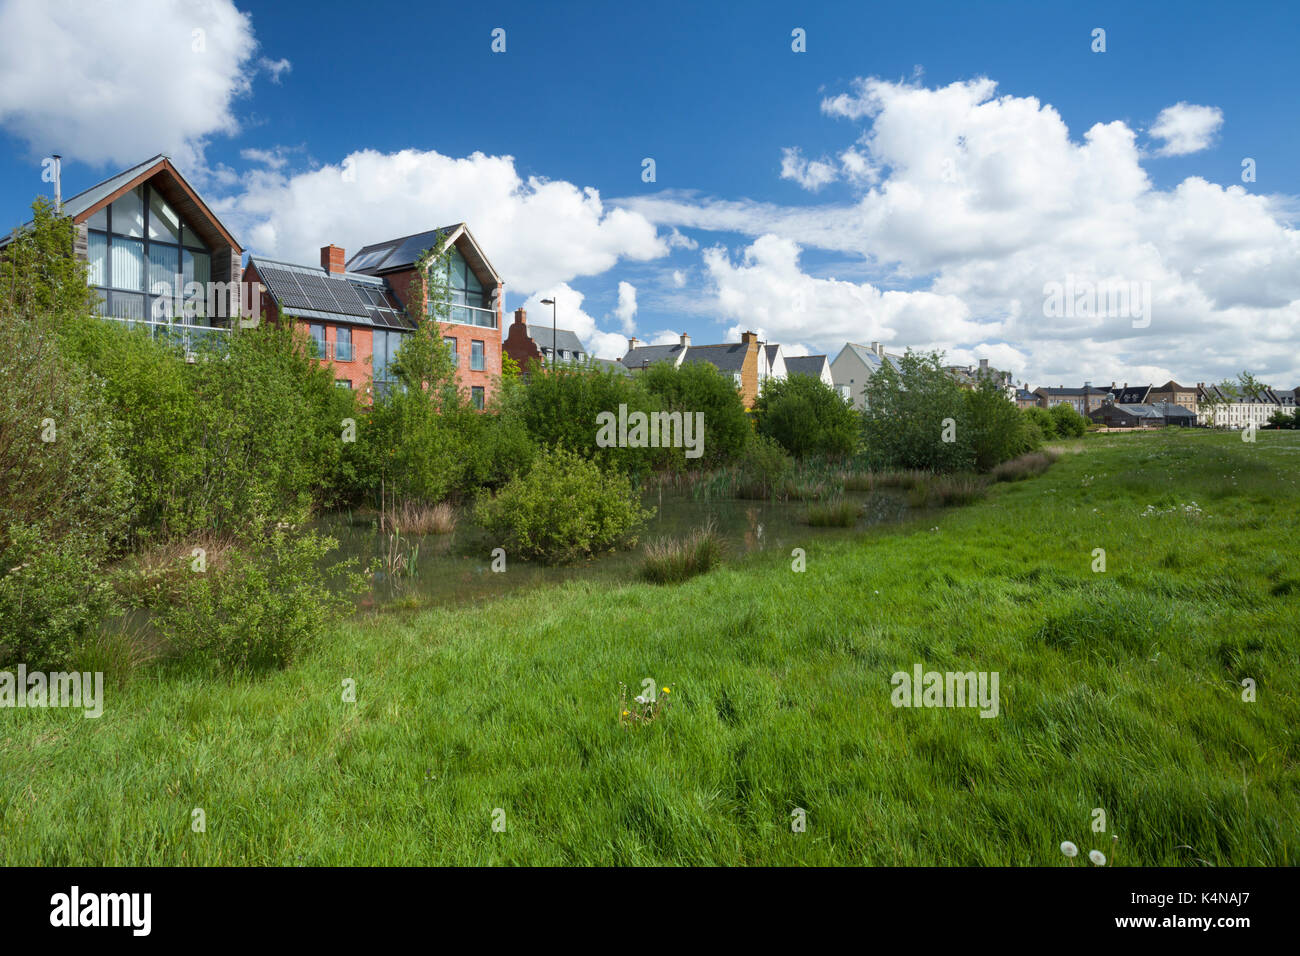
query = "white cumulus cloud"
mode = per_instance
[{"x": 1186, "y": 128}]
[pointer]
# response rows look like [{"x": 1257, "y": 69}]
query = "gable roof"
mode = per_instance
[
  {"x": 729, "y": 357},
  {"x": 177, "y": 191},
  {"x": 403, "y": 252},
  {"x": 644, "y": 355},
  {"x": 1131, "y": 394},
  {"x": 1025, "y": 395},
  {"x": 812, "y": 365},
  {"x": 1234, "y": 396},
  {"x": 1072, "y": 392},
  {"x": 309, "y": 292},
  {"x": 567, "y": 340}
]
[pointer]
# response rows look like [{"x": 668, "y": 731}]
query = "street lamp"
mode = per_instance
[{"x": 555, "y": 351}]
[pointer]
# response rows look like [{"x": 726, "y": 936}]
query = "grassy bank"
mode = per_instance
[{"x": 1119, "y": 690}]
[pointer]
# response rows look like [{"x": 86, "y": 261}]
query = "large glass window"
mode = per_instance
[
  {"x": 476, "y": 356},
  {"x": 470, "y": 303},
  {"x": 136, "y": 242},
  {"x": 476, "y": 395},
  {"x": 386, "y": 345},
  {"x": 451, "y": 347},
  {"x": 317, "y": 333}
]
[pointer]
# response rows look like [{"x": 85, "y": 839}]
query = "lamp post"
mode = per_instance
[{"x": 555, "y": 351}]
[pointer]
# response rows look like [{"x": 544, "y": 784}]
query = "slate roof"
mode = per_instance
[
  {"x": 1235, "y": 397},
  {"x": 566, "y": 339},
  {"x": 1071, "y": 392},
  {"x": 611, "y": 365},
  {"x": 645, "y": 355},
  {"x": 872, "y": 360},
  {"x": 1132, "y": 394},
  {"x": 1024, "y": 395},
  {"x": 812, "y": 365},
  {"x": 729, "y": 357}
]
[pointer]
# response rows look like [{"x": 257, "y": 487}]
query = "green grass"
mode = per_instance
[
  {"x": 835, "y": 513},
  {"x": 1119, "y": 690},
  {"x": 673, "y": 560}
]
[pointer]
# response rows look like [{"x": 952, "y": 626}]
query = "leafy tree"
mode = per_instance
[
  {"x": 997, "y": 429},
  {"x": 700, "y": 387},
  {"x": 1043, "y": 420},
  {"x": 912, "y": 412},
  {"x": 805, "y": 416},
  {"x": 1067, "y": 422}
]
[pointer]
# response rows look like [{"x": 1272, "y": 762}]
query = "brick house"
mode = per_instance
[
  {"x": 1082, "y": 400},
  {"x": 156, "y": 254},
  {"x": 1174, "y": 394},
  {"x": 356, "y": 314}
]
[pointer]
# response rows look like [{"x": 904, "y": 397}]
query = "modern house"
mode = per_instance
[
  {"x": 1226, "y": 407},
  {"x": 854, "y": 366},
  {"x": 771, "y": 364},
  {"x": 818, "y": 366},
  {"x": 158, "y": 257},
  {"x": 353, "y": 321},
  {"x": 739, "y": 360},
  {"x": 472, "y": 329},
  {"x": 1082, "y": 400}
]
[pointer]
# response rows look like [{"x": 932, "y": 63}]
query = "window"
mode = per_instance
[
  {"x": 386, "y": 344},
  {"x": 476, "y": 395},
  {"x": 450, "y": 342},
  {"x": 317, "y": 333},
  {"x": 476, "y": 363},
  {"x": 343, "y": 344},
  {"x": 470, "y": 303},
  {"x": 343, "y": 383},
  {"x": 137, "y": 243}
]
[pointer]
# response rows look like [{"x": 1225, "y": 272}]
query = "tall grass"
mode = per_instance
[
  {"x": 835, "y": 513},
  {"x": 1026, "y": 466},
  {"x": 415, "y": 518},
  {"x": 670, "y": 561}
]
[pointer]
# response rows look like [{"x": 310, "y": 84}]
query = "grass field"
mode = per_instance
[{"x": 1119, "y": 690}]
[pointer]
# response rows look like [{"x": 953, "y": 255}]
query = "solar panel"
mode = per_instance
[
  {"x": 345, "y": 294},
  {"x": 284, "y": 286}
]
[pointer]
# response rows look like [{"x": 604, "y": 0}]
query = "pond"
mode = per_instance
[{"x": 456, "y": 568}]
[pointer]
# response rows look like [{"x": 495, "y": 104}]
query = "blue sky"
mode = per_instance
[{"x": 970, "y": 180}]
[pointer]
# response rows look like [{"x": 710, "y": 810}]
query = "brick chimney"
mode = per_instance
[
  {"x": 631, "y": 343},
  {"x": 749, "y": 338},
  {"x": 686, "y": 339},
  {"x": 331, "y": 259},
  {"x": 521, "y": 317}
]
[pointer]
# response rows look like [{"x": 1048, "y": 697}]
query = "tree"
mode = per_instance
[
  {"x": 700, "y": 387},
  {"x": 1067, "y": 422},
  {"x": 996, "y": 426},
  {"x": 917, "y": 417},
  {"x": 805, "y": 416}
]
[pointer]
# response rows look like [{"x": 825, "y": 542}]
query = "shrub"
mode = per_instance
[
  {"x": 265, "y": 610},
  {"x": 833, "y": 514},
  {"x": 806, "y": 417},
  {"x": 670, "y": 561},
  {"x": 908, "y": 414},
  {"x": 563, "y": 507},
  {"x": 996, "y": 426},
  {"x": 1043, "y": 419},
  {"x": 763, "y": 467},
  {"x": 1068, "y": 422},
  {"x": 700, "y": 387},
  {"x": 413, "y": 518}
]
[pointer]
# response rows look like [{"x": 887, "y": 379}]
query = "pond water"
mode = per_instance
[{"x": 456, "y": 568}]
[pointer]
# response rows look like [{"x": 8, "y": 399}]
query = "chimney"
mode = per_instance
[
  {"x": 1087, "y": 385},
  {"x": 749, "y": 338},
  {"x": 521, "y": 317},
  {"x": 331, "y": 259},
  {"x": 1126, "y": 384},
  {"x": 58, "y": 184},
  {"x": 686, "y": 339},
  {"x": 984, "y": 365},
  {"x": 631, "y": 344},
  {"x": 875, "y": 347}
]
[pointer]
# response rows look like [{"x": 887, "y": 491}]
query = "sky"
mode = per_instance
[{"x": 952, "y": 176}]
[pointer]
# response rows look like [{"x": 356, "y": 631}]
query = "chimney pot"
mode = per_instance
[
  {"x": 631, "y": 344},
  {"x": 331, "y": 259},
  {"x": 686, "y": 339}
]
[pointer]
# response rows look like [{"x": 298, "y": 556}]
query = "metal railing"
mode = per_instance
[{"x": 183, "y": 335}]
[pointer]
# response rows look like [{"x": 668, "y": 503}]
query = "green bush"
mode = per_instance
[
  {"x": 563, "y": 507},
  {"x": 700, "y": 387},
  {"x": 806, "y": 417},
  {"x": 763, "y": 468},
  {"x": 268, "y": 607},
  {"x": 1043, "y": 419},
  {"x": 910, "y": 410},
  {"x": 1068, "y": 422},
  {"x": 997, "y": 429}
]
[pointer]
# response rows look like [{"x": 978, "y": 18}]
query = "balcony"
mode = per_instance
[
  {"x": 192, "y": 339},
  {"x": 472, "y": 315}
]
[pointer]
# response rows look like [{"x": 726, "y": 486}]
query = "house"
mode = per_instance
[
  {"x": 1227, "y": 407},
  {"x": 1176, "y": 414},
  {"x": 969, "y": 376},
  {"x": 771, "y": 364},
  {"x": 1174, "y": 394},
  {"x": 853, "y": 367},
  {"x": 156, "y": 253},
  {"x": 739, "y": 360},
  {"x": 1082, "y": 400},
  {"x": 1146, "y": 415},
  {"x": 1130, "y": 394},
  {"x": 472, "y": 327},
  {"x": 818, "y": 366},
  {"x": 540, "y": 343},
  {"x": 1024, "y": 398}
]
